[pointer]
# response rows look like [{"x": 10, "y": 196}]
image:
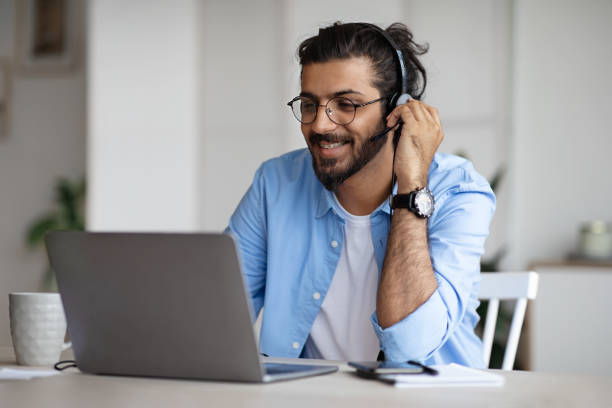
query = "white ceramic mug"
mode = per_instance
[{"x": 38, "y": 327}]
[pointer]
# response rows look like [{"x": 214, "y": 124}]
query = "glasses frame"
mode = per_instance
[{"x": 328, "y": 110}]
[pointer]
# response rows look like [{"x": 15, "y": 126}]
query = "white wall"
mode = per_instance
[
  {"x": 46, "y": 142},
  {"x": 143, "y": 98},
  {"x": 243, "y": 101},
  {"x": 562, "y": 138}
]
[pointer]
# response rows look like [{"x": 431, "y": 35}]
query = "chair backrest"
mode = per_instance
[{"x": 496, "y": 286}]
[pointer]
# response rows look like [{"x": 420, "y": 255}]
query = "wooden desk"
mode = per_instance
[{"x": 342, "y": 389}]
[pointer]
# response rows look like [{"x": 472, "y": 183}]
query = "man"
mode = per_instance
[{"x": 338, "y": 272}]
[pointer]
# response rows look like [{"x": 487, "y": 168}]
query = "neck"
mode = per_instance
[{"x": 365, "y": 190}]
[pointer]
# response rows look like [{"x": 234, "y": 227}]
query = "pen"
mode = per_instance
[{"x": 426, "y": 369}]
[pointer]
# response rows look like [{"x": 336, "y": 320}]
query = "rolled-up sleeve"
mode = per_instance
[{"x": 457, "y": 232}]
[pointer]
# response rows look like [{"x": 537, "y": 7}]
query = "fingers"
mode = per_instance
[
  {"x": 421, "y": 113},
  {"x": 402, "y": 112},
  {"x": 416, "y": 111},
  {"x": 420, "y": 138},
  {"x": 433, "y": 112}
]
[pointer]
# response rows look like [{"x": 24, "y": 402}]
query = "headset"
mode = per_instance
[{"x": 398, "y": 98}]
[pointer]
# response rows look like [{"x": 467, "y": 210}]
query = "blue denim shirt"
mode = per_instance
[{"x": 290, "y": 237}]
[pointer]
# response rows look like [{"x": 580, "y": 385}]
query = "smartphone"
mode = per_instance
[{"x": 374, "y": 368}]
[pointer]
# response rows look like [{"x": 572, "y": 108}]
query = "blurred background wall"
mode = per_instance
[
  {"x": 177, "y": 103},
  {"x": 561, "y": 136},
  {"x": 144, "y": 103},
  {"x": 46, "y": 140}
]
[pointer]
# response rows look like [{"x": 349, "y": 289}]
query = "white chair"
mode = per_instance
[{"x": 496, "y": 286}]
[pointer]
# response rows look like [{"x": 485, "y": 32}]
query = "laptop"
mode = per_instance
[{"x": 161, "y": 305}]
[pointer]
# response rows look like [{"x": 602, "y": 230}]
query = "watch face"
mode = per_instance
[{"x": 423, "y": 201}]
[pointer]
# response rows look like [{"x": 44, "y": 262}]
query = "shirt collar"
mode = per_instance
[{"x": 326, "y": 201}]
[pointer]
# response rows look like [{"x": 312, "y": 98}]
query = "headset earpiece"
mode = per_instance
[
  {"x": 403, "y": 98},
  {"x": 397, "y": 100}
]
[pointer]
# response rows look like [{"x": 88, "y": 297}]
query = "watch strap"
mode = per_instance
[{"x": 403, "y": 200}]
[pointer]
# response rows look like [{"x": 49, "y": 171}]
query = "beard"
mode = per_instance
[{"x": 326, "y": 169}]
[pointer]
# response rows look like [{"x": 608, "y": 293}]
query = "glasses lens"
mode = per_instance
[
  {"x": 341, "y": 110},
  {"x": 304, "y": 109}
]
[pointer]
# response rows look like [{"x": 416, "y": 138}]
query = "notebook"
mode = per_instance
[{"x": 452, "y": 375}]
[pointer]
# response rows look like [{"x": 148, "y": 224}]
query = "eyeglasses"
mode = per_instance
[{"x": 339, "y": 110}]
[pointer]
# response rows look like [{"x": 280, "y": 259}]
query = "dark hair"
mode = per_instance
[{"x": 341, "y": 41}]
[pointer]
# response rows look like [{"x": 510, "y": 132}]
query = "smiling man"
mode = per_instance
[{"x": 340, "y": 273}]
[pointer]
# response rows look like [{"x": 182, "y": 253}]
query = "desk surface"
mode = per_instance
[{"x": 342, "y": 389}]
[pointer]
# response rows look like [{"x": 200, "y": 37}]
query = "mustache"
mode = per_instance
[{"x": 316, "y": 138}]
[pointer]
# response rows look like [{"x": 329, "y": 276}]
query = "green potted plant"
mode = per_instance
[{"x": 68, "y": 214}]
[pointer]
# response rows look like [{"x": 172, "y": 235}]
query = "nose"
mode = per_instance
[{"x": 323, "y": 123}]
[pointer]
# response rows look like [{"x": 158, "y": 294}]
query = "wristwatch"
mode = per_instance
[{"x": 420, "y": 201}]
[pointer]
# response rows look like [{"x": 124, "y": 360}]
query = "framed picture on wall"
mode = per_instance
[
  {"x": 5, "y": 96},
  {"x": 45, "y": 37}
]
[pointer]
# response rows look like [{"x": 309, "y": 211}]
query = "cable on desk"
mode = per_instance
[{"x": 64, "y": 364}]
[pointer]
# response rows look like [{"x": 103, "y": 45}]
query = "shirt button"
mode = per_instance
[
  {"x": 334, "y": 243},
  {"x": 316, "y": 296},
  {"x": 296, "y": 345}
]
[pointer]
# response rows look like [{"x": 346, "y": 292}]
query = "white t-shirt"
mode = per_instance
[{"x": 342, "y": 330}]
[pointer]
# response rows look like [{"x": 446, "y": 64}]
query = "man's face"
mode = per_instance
[{"x": 339, "y": 151}]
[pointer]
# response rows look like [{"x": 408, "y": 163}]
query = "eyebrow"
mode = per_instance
[{"x": 339, "y": 93}]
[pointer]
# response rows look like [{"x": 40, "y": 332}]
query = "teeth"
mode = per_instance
[{"x": 330, "y": 146}]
